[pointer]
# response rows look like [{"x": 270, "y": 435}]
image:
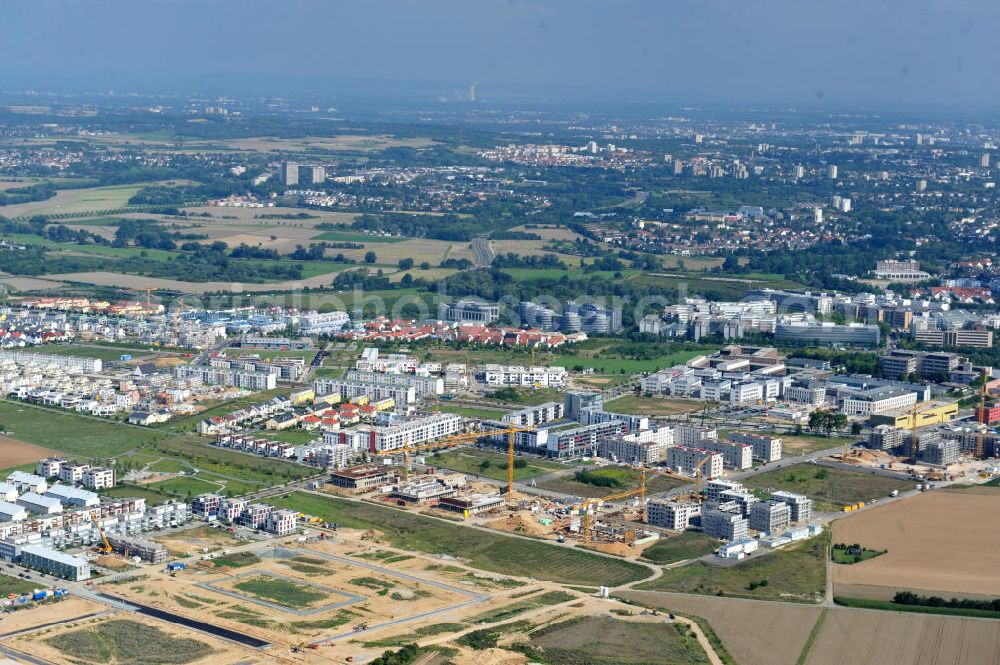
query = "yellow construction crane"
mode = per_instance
[
  {"x": 459, "y": 439},
  {"x": 983, "y": 420},
  {"x": 641, "y": 491},
  {"x": 697, "y": 476},
  {"x": 105, "y": 547}
]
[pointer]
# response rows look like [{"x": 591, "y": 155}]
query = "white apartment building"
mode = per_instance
[
  {"x": 673, "y": 515},
  {"x": 533, "y": 416},
  {"x": 98, "y": 478},
  {"x": 735, "y": 455},
  {"x": 684, "y": 460},
  {"x": 764, "y": 447},
  {"x": 516, "y": 375},
  {"x": 693, "y": 437},
  {"x": 878, "y": 400}
]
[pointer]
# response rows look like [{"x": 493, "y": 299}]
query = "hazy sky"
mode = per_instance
[{"x": 840, "y": 52}]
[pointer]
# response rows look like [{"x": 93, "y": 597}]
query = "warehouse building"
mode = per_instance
[
  {"x": 40, "y": 505},
  {"x": 55, "y": 563}
]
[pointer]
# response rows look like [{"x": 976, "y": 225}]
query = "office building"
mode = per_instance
[
  {"x": 469, "y": 311},
  {"x": 827, "y": 333}
]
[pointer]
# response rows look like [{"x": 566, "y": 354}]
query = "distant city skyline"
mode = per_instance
[{"x": 876, "y": 54}]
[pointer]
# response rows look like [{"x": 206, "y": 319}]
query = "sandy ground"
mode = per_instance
[
  {"x": 869, "y": 637},
  {"x": 934, "y": 543},
  {"x": 16, "y": 453},
  {"x": 29, "y": 283},
  {"x": 224, "y": 653},
  {"x": 65, "y": 610},
  {"x": 188, "y": 540},
  {"x": 755, "y": 632}
]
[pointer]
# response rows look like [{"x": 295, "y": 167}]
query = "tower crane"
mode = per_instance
[{"x": 459, "y": 439}]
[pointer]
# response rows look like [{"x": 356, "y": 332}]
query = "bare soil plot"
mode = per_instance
[
  {"x": 73, "y": 607},
  {"x": 525, "y": 248},
  {"x": 870, "y": 637},
  {"x": 939, "y": 542},
  {"x": 16, "y": 453},
  {"x": 183, "y": 542},
  {"x": 29, "y": 283}
]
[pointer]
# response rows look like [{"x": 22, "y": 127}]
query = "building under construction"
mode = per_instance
[{"x": 146, "y": 550}]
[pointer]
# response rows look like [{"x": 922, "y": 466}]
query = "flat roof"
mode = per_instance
[{"x": 54, "y": 555}]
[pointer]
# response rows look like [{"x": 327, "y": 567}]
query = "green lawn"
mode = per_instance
[
  {"x": 469, "y": 460},
  {"x": 794, "y": 573},
  {"x": 831, "y": 489},
  {"x": 295, "y": 437},
  {"x": 485, "y": 550},
  {"x": 687, "y": 545},
  {"x": 197, "y": 452},
  {"x": 147, "y": 492},
  {"x": 72, "y": 434},
  {"x": 9, "y": 585},
  {"x": 82, "y": 351},
  {"x": 186, "y": 486},
  {"x": 841, "y": 556}
]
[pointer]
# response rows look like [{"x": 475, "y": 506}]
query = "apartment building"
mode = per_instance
[
  {"x": 517, "y": 375},
  {"x": 800, "y": 506},
  {"x": 534, "y": 416},
  {"x": 422, "y": 385},
  {"x": 901, "y": 363},
  {"x": 402, "y": 395},
  {"x": 621, "y": 449},
  {"x": 57, "y": 564},
  {"x": 693, "y": 437},
  {"x": 728, "y": 526},
  {"x": 98, "y": 478},
  {"x": 128, "y": 546},
  {"x": 280, "y": 522},
  {"x": 222, "y": 376},
  {"x": 770, "y": 516},
  {"x": 735, "y": 455},
  {"x": 685, "y": 460},
  {"x": 763, "y": 446},
  {"x": 885, "y": 437},
  {"x": 673, "y": 515}
]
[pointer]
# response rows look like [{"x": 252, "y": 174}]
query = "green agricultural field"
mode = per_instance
[
  {"x": 687, "y": 545},
  {"x": 79, "y": 201},
  {"x": 652, "y": 406},
  {"x": 795, "y": 573},
  {"x": 471, "y": 460},
  {"x": 488, "y": 551},
  {"x": 288, "y": 593},
  {"x": 75, "y": 435},
  {"x": 119, "y": 640},
  {"x": 831, "y": 489},
  {"x": 597, "y": 640},
  {"x": 9, "y": 585}
]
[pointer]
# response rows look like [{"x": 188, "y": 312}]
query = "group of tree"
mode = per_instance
[
  {"x": 826, "y": 421},
  {"x": 910, "y": 598}
]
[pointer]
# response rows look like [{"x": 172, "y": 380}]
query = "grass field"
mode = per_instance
[
  {"x": 481, "y": 549},
  {"x": 71, "y": 201},
  {"x": 687, "y": 545},
  {"x": 622, "y": 477},
  {"x": 469, "y": 460},
  {"x": 121, "y": 640},
  {"x": 652, "y": 406},
  {"x": 9, "y": 585},
  {"x": 75, "y": 435},
  {"x": 251, "y": 468},
  {"x": 104, "y": 353},
  {"x": 295, "y": 437},
  {"x": 840, "y": 555},
  {"x": 281, "y": 591},
  {"x": 795, "y": 573},
  {"x": 470, "y": 411},
  {"x": 187, "y": 486},
  {"x": 831, "y": 489},
  {"x": 598, "y": 640},
  {"x": 127, "y": 491}
]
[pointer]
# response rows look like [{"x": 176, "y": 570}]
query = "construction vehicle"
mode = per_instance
[{"x": 105, "y": 546}]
